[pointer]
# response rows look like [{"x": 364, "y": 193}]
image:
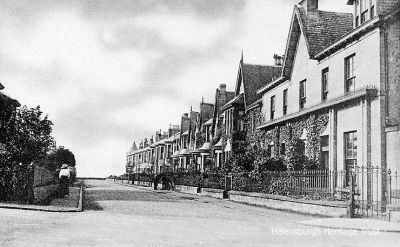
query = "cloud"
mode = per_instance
[
  {"x": 185, "y": 30},
  {"x": 110, "y": 72}
]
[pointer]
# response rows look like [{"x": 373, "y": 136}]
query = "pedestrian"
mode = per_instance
[{"x": 64, "y": 176}]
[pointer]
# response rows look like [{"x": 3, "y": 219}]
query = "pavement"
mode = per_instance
[
  {"x": 69, "y": 203},
  {"x": 357, "y": 224}
]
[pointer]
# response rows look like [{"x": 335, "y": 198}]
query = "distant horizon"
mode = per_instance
[{"x": 109, "y": 73}]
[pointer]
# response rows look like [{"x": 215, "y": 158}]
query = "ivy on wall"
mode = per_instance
[{"x": 313, "y": 124}]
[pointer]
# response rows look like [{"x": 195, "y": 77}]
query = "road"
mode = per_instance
[{"x": 120, "y": 215}]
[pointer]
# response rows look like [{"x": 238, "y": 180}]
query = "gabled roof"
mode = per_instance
[
  {"x": 133, "y": 148},
  {"x": 236, "y": 100},
  {"x": 255, "y": 77},
  {"x": 320, "y": 29}
]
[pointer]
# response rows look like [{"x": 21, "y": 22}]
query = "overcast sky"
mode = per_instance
[{"x": 111, "y": 72}]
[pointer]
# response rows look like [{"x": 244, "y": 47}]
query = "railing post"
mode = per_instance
[
  {"x": 352, "y": 204},
  {"x": 389, "y": 187}
]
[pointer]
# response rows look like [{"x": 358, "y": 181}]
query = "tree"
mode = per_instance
[
  {"x": 55, "y": 159},
  {"x": 27, "y": 136}
]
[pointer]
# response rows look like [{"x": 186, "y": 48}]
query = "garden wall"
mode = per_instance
[
  {"x": 394, "y": 213},
  {"x": 215, "y": 193},
  {"x": 322, "y": 208},
  {"x": 186, "y": 189}
]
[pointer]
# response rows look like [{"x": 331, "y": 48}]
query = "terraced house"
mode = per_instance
[
  {"x": 338, "y": 89},
  {"x": 246, "y": 103},
  {"x": 335, "y": 91}
]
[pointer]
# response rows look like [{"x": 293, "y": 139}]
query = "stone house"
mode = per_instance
[
  {"x": 217, "y": 126},
  {"x": 338, "y": 88},
  {"x": 202, "y": 145},
  {"x": 245, "y": 103},
  {"x": 153, "y": 155}
]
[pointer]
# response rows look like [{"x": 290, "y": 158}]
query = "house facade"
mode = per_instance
[
  {"x": 245, "y": 104},
  {"x": 334, "y": 92}
]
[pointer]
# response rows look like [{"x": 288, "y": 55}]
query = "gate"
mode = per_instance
[{"x": 371, "y": 190}]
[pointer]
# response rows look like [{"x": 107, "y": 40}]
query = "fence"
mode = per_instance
[
  {"x": 143, "y": 178},
  {"x": 214, "y": 181},
  {"x": 316, "y": 183},
  {"x": 393, "y": 187},
  {"x": 374, "y": 189}
]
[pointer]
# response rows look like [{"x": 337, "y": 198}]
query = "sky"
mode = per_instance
[{"x": 109, "y": 73}]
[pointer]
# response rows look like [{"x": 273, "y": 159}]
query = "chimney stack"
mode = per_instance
[
  {"x": 222, "y": 87},
  {"x": 309, "y": 5},
  {"x": 278, "y": 60}
]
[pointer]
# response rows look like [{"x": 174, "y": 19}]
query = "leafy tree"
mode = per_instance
[
  {"x": 27, "y": 136},
  {"x": 55, "y": 159}
]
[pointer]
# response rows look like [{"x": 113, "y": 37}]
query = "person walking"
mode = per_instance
[{"x": 64, "y": 176}]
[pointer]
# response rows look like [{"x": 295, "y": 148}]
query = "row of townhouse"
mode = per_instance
[
  {"x": 184, "y": 146},
  {"x": 337, "y": 89}
]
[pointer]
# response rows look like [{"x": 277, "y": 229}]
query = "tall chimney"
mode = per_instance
[
  {"x": 309, "y": 5},
  {"x": 222, "y": 87},
  {"x": 278, "y": 60}
]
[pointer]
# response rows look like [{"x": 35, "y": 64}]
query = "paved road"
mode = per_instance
[{"x": 118, "y": 215}]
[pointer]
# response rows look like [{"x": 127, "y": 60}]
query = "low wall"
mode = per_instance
[
  {"x": 147, "y": 184},
  {"x": 44, "y": 193},
  {"x": 186, "y": 189},
  {"x": 394, "y": 212},
  {"x": 215, "y": 193},
  {"x": 321, "y": 208}
]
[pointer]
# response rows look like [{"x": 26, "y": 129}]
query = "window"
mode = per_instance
[
  {"x": 350, "y": 153},
  {"x": 283, "y": 149},
  {"x": 241, "y": 125},
  {"x": 272, "y": 106},
  {"x": 364, "y": 16},
  {"x": 302, "y": 94},
  {"x": 324, "y": 81},
  {"x": 271, "y": 150},
  {"x": 284, "y": 102},
  {"x": 253, "y": 122},
  {"x": 372, "y": 12},
  {"x": 357, "y": 13},
  {"x": 349, "y": 74},
  {"x": 364, "y": 11}
]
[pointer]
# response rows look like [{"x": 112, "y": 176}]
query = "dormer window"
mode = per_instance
[
  {"x": 364, "y": 11},
  {"x": 372, "y": 11}
]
